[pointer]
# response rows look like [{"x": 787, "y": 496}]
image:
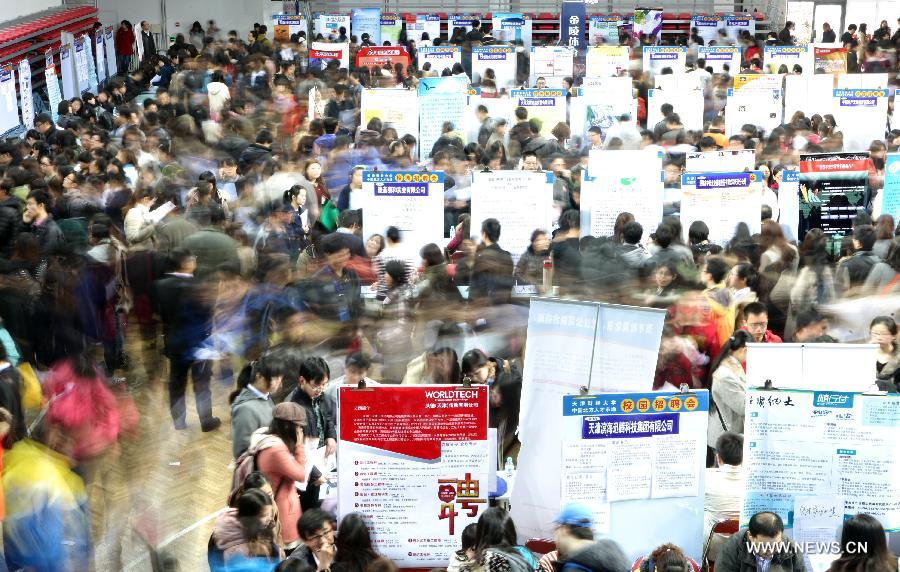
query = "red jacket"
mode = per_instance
[
  {"x": 769, "y": 338},
  {"x": 124, "y": 42}
]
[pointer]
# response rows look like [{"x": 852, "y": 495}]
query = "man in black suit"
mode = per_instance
[
  {"x": 147, "y": 40},
  {"x": 186, "y": 326},
  {"x": 492, "y": 274}
]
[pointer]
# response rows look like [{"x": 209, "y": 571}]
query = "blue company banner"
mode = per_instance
[
  {"x": 401, "y": 189},
  {"x": 629, "y": 426},
  {"x": 711, "y": 53},
  {"x": 720, "y": 180},
  {"x": 859, "y": 97},
  {"x": 493, "y": 52},
  {"x": 664, "y": 52},
  {"x": 706, "y": 21},
  {"x": 833, "y": 399},
  {"x": 366, "y": 21},
  {"x": 890, "y": 202},
  {"x": 635, "y": 403},
  {"x": 790, "y": 176},
  {"x": 572, "y": 19},
  {"x": 403, "y": 177}
]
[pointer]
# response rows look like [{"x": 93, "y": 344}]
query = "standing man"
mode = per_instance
[
  {"x": 186, "y": 326},
  {"x": 147, "y": 40},
  {"x": 828, "y": 35},
  {"x": 492, "y": 275},
  {"x": 785, "y": 38}
]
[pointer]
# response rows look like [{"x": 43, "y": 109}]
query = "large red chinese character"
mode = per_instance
[
  {"x": 448, "y": 510},
  {"x": 471, "y": 505},
  {"x": 468, "y": 487}
]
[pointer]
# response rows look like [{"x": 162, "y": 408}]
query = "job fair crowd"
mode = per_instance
[{"x": 194, "y": 218}]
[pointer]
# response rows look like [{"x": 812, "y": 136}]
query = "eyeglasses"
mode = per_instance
[
  {"x": 758, "y": 325},
  {"x": 321, "y": 536}
]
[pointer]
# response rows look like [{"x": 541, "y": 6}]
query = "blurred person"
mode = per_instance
[
  {"x": 356, "y": 369},
  {"x": 353, "y": 547},
  {"x": 252, "y": 403},
  {"x": 496, "y": 547},
  {"x": 809, "y": 326},
  {"x": 530, "y": 267},
  {"x": 883, "y": 333}
]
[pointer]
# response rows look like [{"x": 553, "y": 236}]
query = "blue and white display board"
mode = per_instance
[
  {"x": 440, "y": 57},
  {"x": 391, "y": 26},
  {"x": 637, "y": 460},
  {"x": 463, "y": 21},
  {"x": 498, "y": 108},
  {"x": 424, "y": 24},
  {"x": 511, "y": 27},
  {"x": 92, "y": 71},
  {"x": 441, "y": 99},
  {"x": 82, "y": 68},
  {"x": 604, "y": 30},
  {"x": 600, "y": 103},
  {"x": 499, "y": 59},
  {"x": 717, "y": 57},
  {"x": 366, "y": 21},
  {"x": 722, "y": 201},
  {"x": 571, "y": 345},
  {"x": 397, "y": 108},
  {"x": 756, "y": 99},
  {"x": 52, "y": 81},
  {"x": 789, "y": 201},
  {"x": 521, "y": 200},
  {"x": 737, "y": 23},
  {"x": 110, "y": 45},
  {"x": 890, "y": 204},
  {"x": 9, "y": 107},
  {"x": 841, "y": 448},
  {"x": 776, "y": 56},
  {"x": 621, "y": 181},
  {"x": 548, "y": 105},
  {"x": 657, "y": 58},
  {"x": 25, "y": 94},
  {"x": 410, "y": 201},
  {"x": 100, "y": 55},
  {"x": 329, "y": 24},
  {"x": 67, "y": 69},
  {"x": 862, "y": 115},
  {"x": 708, "y": 27}
]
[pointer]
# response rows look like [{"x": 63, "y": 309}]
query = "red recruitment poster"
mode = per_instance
[
  {"x": 413, "y": 461},
  {"x": 377, "y": 56}
]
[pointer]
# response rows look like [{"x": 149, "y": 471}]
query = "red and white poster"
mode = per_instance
[
  {"x": 414, "y": 462},
  {"x": 377, "y": 56}
]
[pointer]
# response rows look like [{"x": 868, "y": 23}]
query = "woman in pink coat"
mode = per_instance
[{"x": 282, "y": 459}]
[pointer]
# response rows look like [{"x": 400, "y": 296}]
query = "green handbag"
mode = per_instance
[{"x": 328, "y": 216}]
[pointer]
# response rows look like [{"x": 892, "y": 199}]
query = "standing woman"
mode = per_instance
[
  {"x": 354, "y": 552},
  {"x": 124, "y": 46},
  {"x": 282, "y": 459},
  {"x": 252, "y": 403},
  {"x": 328, "y": 212},
  {"x": 728, "y": 389},
  {"x": 298, "y": 228},
  {"x": 883, "y": 332}
]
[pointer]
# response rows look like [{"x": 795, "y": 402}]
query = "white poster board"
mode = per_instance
[
  {"x": 603, "y": 61},
  {"x": 688, "y": 104},
  {"x": 861, "y": 115},
  {"x": 571, "y": 345},
  {"x": 424, "y": 24},
  {"x": 440, "y": 57},
  {"x": 25, "y": 94},
  {"x": 722, "y": 201},
  {"x": 9, "y": 106},
  {"x": 89, "y": 56},
  {"x": 414, "y": 462},
  {"x": 100, "y": 57},
  {"x": 397, "y": 108},
  {"x": 836, "y": 444},
  {"x": 824, "y": 367},
  {"x": 323, "y": 52},
  {"x": 521, "y": 200},
  {"x": 329, "y": 24},
  {"x": 622, "y": 181},
  {"x": 708, "y": 27},
  {"x": 657, "y": 58},
  {"x": 110, "y": 44},
  {"x": 52, "y": 82},
  {"x": 498, "y": 108},
  {"x": 82, "y": 71},
  {"x": 553, "y": 63},
  {"x": 755, "y": 100},
  {"x": 511, "y": 27},
  {"x": 67, "y": 70},
  {"x": 809, "y": 93},
  {"x": 789, "y": 203},
  {"x": 441, "y": 99},
  {"x": 600, "y": 103},
  {"x": 411, "y": 201},
  {"x": 501, "y": 60},
  {"x": 737, "y": 23},
  {"x": 637, "y": 460}
]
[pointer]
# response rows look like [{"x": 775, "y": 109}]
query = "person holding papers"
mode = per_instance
[
  {"x": 728, "y": 389},
  {"x": 762, "y": 547}
]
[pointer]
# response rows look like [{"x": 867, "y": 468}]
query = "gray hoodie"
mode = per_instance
[{"x": 249, "y": 412}]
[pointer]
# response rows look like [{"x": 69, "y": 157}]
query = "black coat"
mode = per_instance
[
  {"x": 149, "y": 44},
  {"x": 492, "y": 276},
  {"x": 10, "y": 223},
  {"x": 186, "y": 319},
  {"x": 326, "y": 407}
]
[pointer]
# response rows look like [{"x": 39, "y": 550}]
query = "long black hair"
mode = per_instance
[
  {"x": 267, "y": 366},
  {"x": 354, "y": 544},
  {"x": 495, "y": 530},
  {"x": 250, "y": 506},
  {"x": 286, "y": 431},
  {"x": 738, "y": 340},
  {"x": 864, "y": 530}
]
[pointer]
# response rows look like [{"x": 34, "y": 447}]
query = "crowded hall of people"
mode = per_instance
[{"x": 517, "y": 286}]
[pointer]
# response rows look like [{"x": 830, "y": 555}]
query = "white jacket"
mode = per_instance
[{"x": 218, "y": 95}]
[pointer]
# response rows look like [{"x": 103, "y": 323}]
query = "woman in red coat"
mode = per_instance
[
  {"x": 124, "y": 46},
  {"x": 282, "y": 459}
]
